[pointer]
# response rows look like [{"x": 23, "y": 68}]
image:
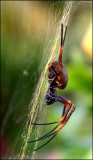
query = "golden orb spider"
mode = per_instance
[{"x": 57, "y": 78}]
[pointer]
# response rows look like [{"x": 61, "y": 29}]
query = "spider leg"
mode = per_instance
[
  {"x": 62, "y": 43},
  {"x": 61, "y": 120},
  {"x": 44, "y": 123},
  {"x": 59, "y": 98},
  {"x": 61, "y": 47},
  {"x": 63, "y": 124},
  {"x": 65, "y": 114},
  {"x": 56, "y": 132},
  {"x": 45, "y": 136},
  {"x": 50, "y": 131},
  {"x": 45, "y": 143},
  {"x": 54, "y": 70},
  {"x": 66, "y": 102},
  {"x": 61, "y": 34},
  {"x": 65, "y": 34},
  {"x": 63, "y": 111}
]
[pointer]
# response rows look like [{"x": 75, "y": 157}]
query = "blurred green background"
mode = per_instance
[{"x": 24, "y": 28}]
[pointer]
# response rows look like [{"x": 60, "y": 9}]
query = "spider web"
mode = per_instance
[{"x": 35, "y": 109}]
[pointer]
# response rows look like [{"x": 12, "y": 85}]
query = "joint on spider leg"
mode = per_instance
[
  {"x": 65, "y": 113},
  {"x": 66, "y": 118},
  {"x": 73, "y": 109},
  {"x": 73, "y": 106}
]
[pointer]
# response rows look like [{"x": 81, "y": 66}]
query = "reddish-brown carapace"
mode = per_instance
[{"x": 57, "y": 78}]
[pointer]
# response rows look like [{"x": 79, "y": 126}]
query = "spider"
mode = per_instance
[{"x": 57, "y": 78}]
